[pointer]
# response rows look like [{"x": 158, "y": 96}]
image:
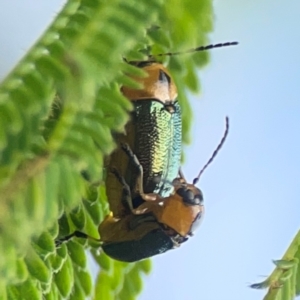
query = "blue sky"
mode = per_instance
[{"x": 251, "y": 191}]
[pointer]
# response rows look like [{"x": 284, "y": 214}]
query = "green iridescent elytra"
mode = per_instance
[{"x": 154, "y": 136}]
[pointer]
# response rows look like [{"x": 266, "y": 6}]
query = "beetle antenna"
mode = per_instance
[
  {"x": 215, "y": 152},
  {"x": 198, "y": 49}
]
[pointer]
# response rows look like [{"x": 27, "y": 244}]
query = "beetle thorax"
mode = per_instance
[
  {"x": 157, "y": 85},
  {"x": 177, "y": 215}
]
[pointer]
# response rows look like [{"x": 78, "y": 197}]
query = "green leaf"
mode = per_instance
[
  {"x": 283, "y": 282},
  {"x": 64, "y": 226},
  {"x": 28, "y": 290},
  {"x": 77, "y": 216},
  {"x": 95, "y": 211},
  {"x": 145, "y": 265},
  {"x": 44, "y": 244},
  {"x": 22, "y": 272},
  {"x": 77, "y": 254},
  {"x": 37, "y": 267},
  {"x": 53, "y": 231},
  {"x": 77, "y": 293},
  {"x": 85, "y": 281},
  {"x": 64, "y": 279},
  {"x": 56, "y": 262},
  {"x": 104, "y": 261},
  {"x": 102, "y": 290}
]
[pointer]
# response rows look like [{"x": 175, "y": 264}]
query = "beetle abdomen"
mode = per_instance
[{"x": 153, "y": 243}]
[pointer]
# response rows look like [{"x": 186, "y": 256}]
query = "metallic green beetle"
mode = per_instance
[{"x": 153, "y": 134}]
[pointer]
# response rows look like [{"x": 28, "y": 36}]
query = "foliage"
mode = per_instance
[
  {"x": 284, "y": 282},
  {"x": 46, "y": 144}
]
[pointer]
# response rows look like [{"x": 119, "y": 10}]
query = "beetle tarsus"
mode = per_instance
[
  {"x": 135, "y": 161},
  {"x": 76, "y": 233},
  {"x": 132, "y": 156},
  {"x": 126, "y": 187}
]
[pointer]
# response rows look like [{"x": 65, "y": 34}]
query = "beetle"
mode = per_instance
[
  {"x": 154, "y": 226},
  {"x": 153, "y": 134},
  {"x": 151, "y": 211},
  {"x": 159, "y": 224}
]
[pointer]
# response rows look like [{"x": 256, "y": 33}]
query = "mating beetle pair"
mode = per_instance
[{"x": 153, "y": 208}]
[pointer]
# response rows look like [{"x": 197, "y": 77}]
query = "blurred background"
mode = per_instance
[{"x": 251, "y": 189}]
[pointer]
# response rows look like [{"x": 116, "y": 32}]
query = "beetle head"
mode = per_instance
[
  {"x": 183, "y": 211},
  {"x": 189, "y": 193}
]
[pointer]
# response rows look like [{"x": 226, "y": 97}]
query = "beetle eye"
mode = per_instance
[
  {"x": 181, "y": 192},
  {"x": 189, "y": 197},
  {"x": 198, "y": 198}
]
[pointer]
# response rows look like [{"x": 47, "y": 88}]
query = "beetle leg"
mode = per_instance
[
  {"x": 148, "y": 206},
  {"x": 138, "y": 220},
  {"x": 76, "y": 233},
  {"x": 126, "y": 187},
  {"x": 135, "y": 160}
]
